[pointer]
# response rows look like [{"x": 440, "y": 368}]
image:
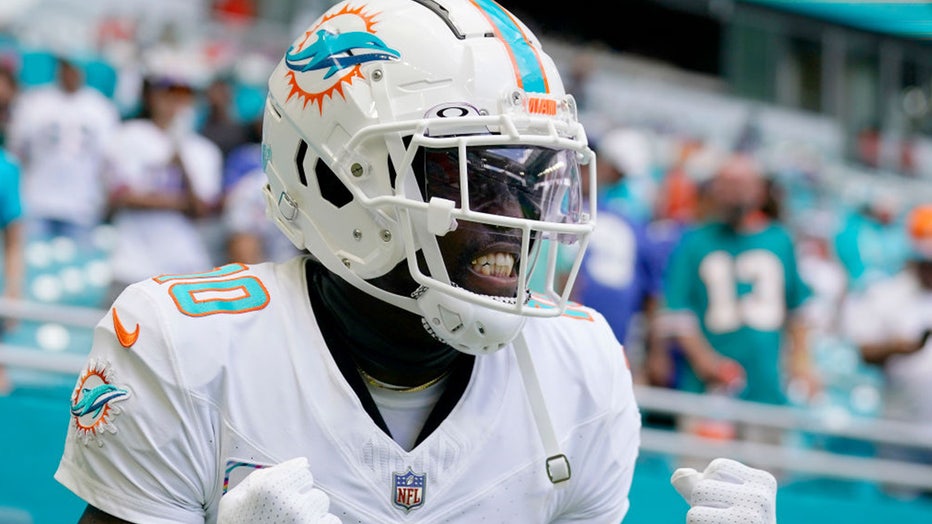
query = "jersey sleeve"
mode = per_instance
[
  {"x": 602, "y": 477},
  {"x": 139, "y": 444}
]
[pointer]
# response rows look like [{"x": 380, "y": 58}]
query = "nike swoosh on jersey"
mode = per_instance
[{"x": 127, "y": 338}]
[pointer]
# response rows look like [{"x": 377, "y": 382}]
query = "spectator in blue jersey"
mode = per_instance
[{"x": 733, "y": 294}]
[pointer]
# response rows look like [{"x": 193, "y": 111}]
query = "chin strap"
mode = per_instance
[{"x": 558, "y": 466}]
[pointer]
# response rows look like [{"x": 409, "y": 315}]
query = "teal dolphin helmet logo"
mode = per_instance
[
  {"x": 335, "y": 52},
  {"x": 329, "y": 56}
]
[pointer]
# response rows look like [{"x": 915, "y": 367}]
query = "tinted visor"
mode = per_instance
[{"x": 531, "y": 182}]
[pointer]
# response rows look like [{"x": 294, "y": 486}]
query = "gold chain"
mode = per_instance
[{"x": 401, "y": 389}]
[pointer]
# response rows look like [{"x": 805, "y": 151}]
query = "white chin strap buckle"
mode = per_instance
[{"x": 558, "y": 468}]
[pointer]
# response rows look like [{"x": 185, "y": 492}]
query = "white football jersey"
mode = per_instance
[{"x": 194, "y": 381}]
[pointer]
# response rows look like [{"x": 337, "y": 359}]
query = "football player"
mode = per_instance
[{"x": 419, "y": 150}]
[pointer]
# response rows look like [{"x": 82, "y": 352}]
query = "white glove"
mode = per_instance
[
  {"x": 280, "y": 494},
  {"x": 727, "y": 492}
]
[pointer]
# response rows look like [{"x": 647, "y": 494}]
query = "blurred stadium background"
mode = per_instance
[{"x": 836, "y": 95}]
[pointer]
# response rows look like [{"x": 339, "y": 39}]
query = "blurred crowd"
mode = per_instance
[
  {"x": 761, "y": 270},
  {"x": 733, "y": 269},
  {"x": 173, "y": 174},
  {"x": 163, "y": 179}
]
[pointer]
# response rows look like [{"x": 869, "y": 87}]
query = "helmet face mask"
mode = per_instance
[
  {"x": 426, "y": 147},
  {"x": 484, "y": 254}
]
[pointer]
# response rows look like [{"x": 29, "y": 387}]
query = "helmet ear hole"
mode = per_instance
[
  {"x": 299, "y": 162},
  {"x": 331, "y": 187}
]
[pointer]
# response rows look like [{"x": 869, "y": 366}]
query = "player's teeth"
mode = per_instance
[
  {"x": 505, "y": 263},
  {"x": 498, "y": 264}
]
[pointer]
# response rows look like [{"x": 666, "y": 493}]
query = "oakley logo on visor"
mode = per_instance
[{"x": 453, "y": 111}]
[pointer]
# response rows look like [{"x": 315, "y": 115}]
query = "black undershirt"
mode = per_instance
[{"x": 372, "y": 343}]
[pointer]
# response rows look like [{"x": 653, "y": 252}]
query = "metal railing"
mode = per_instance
[
  {"x": 69, "y": 315},
  {"x": 787, "y": 457}
]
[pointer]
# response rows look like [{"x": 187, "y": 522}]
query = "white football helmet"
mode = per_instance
[{"x": 392, "y": 123}]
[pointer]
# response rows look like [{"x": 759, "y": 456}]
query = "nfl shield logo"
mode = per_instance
[{"x": 409, "y": 490}]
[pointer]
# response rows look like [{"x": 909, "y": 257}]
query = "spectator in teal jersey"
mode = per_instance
[
  {"x": 11, "y": 210},
  {"x": 733, "y": 294},
  {"x": 11, "y": 227},
  {"x": 871, "y": 243}
]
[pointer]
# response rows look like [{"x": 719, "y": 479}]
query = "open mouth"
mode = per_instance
[
  {"x": 483, "y": 262},
  {"x": 493, "y": 273},
  {"x": 498, "y": 264}
]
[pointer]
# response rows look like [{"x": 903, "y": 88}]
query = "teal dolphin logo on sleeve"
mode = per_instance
[{"x": 93, "y": 402}]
